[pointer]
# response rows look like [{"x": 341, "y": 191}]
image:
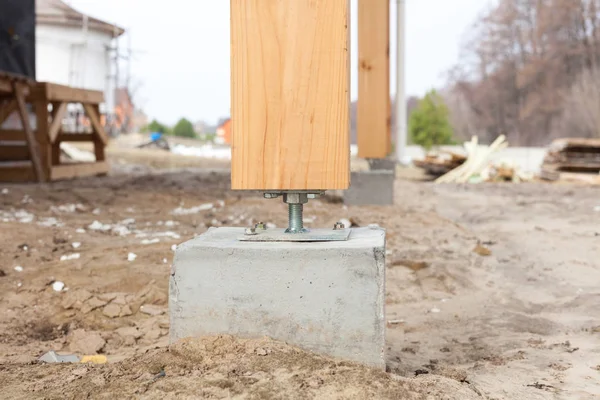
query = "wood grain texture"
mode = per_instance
[
  {"x": 374, "y": 108},
  {"x": 290, "y": 94}
]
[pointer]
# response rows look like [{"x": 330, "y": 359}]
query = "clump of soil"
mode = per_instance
[{"x": 224, "y": 367}]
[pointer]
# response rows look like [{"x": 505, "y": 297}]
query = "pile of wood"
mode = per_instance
[
  {"x": 573, "y": 159},
  {"x": 477, "y": 161},
  {"x": 440, "y": 163}
]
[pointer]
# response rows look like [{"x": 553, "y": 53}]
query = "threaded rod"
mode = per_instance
[{"x": 295, "y": 224}]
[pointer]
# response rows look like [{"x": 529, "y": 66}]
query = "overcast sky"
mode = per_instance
[{"x": 182, "y": 49}]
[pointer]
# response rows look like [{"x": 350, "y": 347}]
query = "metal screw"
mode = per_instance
[
  {"x": 338, "y": 225},
  {"x": 271, "y": 195},
  {"x": 260, "y": 226},
  {"x": 250, "y": 231}
]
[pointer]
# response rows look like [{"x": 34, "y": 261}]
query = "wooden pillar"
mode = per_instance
[
  {"x": 290, "y": 94},
  {"x": 41, "y": 133},
  {"x": 374, "y": 110}
]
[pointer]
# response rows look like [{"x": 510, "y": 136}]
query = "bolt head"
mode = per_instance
[
  {"x": 260, "y": 226},
  {"x": 338, "y": 226}
]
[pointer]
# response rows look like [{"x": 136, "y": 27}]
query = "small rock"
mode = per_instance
[
  {"x": 81, "y": 371},
  {"x": 119, "y": 299},
  {"x": 58, "y": 286},
  {"x": 164, "y": 260},
  {"x": 131, "y": 257},
  {"x": 129, "y": 331},
  {"x": 76, "y": 245},
  {"x": 18, "y": 268},
  {"x": 112, "y": 310},
  {"x": 174, "y": 247},
  {"x": 99, "y": 226},
  {"x": 434, "y": 310},
  {"x": 83, "y": 342},
  {"x": 68, "y": 257},
  {"x": 482, "y": 250},
  {"x": 153, "y": 310},
  {"x": 2, "y": 273},
  {"x": 150, "y": 241},
  {"x": 346, "y": 222},
  {"x": 262, "y": 352},
  {"x": 80, "y": 230},
  {"x": 125, "y": 311},
  {"x": 154, "y": 334},
  {"x": 5, "y": 191},
  {"x": 74, "y": 297},
  {"x": 108, "y": 296},
  {"x": 92, "y": 304},
  {"x": 164, "y": 323}
]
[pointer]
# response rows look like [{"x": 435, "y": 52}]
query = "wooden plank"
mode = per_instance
[
  {"x": 14, "y": 151},
  {"x": 17, "y": 171},
  {"x": 55, "y": 92},
  {"x": 58, "y": 113},
  {"x": 96, "y": 125},
  {"x": 34, "y": 149},
  {"x": 373, "y": 119},
  {"x": 12, "y": 134},
  {"x": 74, "y": 137},
  {"x": 290, "y": 85},
  {"x": 8, "y": 107},
  {"x": 76, "y": 170}
]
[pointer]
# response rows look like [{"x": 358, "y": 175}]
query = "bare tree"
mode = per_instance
[
  {"x": 581, "y": 115},
  {"x": 522, "y": 60}
]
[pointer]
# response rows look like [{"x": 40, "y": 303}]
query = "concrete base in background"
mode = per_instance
[
  {"x": 375, "y": 187},
  {"x": 326, "y": 297}
]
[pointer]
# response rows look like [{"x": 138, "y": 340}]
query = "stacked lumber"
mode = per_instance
[
  {"x": 572, "y": 159},
  {"x": 440, "y": 163}
]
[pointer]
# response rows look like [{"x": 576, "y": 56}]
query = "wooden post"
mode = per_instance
[
  {"x": 42, "y": 135},
  {"x": 59, "y": 110},
  {"x": 374, "y": 109},
  {"x": 290, "y": 94}
]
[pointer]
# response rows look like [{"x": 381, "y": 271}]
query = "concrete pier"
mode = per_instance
[
  {"x": 372, "y": 187},
  {"x": 326, "y": 297}
]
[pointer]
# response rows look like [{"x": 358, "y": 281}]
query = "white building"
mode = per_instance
[{"x": 75, "y": 49}]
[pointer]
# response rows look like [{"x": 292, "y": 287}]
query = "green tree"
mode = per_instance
[
  {"x": 184, "y": 128},
  {"x": 156, "y": 126},
  {"x": 429, "y": 124}
]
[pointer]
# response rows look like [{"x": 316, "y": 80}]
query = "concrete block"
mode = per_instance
[
  {"x": 326, "y": 297},
  {"x": 382, "y": 163},
  {"x": 371, "y": 188}
]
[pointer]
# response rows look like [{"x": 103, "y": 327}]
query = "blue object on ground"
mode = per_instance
[{"x": 154, "y": 136}]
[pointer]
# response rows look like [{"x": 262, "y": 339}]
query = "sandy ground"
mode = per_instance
[{"x": 491, "y": 292}]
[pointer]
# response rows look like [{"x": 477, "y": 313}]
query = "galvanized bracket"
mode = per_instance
[
  {"x": 296, "y": 232},
  {"x": 313, "y": 235}
]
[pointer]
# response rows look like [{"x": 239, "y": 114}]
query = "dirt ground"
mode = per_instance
[{"x": 492, "y": 292}]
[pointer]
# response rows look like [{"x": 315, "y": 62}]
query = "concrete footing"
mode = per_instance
[{"x": 326, "y": 297}]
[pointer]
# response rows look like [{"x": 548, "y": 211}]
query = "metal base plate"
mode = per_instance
[{"x": 313, "y": 235}]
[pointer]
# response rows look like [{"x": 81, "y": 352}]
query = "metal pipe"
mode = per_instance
[{"x": 401, "y": 125}]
